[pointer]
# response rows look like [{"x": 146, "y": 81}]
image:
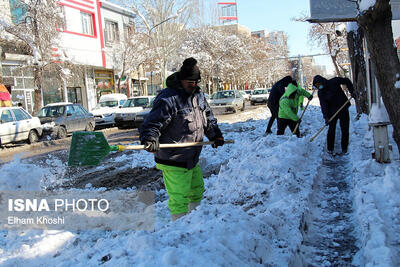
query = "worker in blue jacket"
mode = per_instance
[
  {"x": 332, "y": 98},
  {"x": 181, "y": 114}
]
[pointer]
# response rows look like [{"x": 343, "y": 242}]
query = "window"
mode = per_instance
[
  {"x": 111, "y": 33},
  {"x": 80, "y": 110},
  {"x": 26, "y": 114},
  {"x": 87, "y": 23},
  {"x": 128, "y": 30},
  {"x": 70, "y": 110},
  {"x": 19, "y": 115},
  {"x": 6, "y": 116}
]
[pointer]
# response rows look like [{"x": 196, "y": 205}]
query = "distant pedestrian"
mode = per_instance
[
  {"x": 180, "y": 114},
  {"x": 277, "y": 91},
  {"x": 288, "y": 107},
  {"x": 331, "y": 98}
]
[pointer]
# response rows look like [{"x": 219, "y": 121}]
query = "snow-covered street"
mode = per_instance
[{"x": 269, "y": 201}]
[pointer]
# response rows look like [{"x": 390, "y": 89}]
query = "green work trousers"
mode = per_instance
[{"x": 183, "y": 186}]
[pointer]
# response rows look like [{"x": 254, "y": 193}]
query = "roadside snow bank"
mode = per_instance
[{"x": 377, "y": 201}]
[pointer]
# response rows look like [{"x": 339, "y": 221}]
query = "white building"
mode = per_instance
[{"x": 92, "y": 29}]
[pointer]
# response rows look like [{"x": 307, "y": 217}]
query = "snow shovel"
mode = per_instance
[
  {"x": 89, "y": 148},
  {"x": 302, "y": 114},
  {"x": 326, "y": 124}
]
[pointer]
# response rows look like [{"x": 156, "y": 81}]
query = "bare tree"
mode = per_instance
[
  {"x": 333, "y": 42},
  {"x": 38, "y": 28},
  {"x": 377, "y": 25},
  {"x": 164, "y": 21},
  {"x": 130, "y": 54}
]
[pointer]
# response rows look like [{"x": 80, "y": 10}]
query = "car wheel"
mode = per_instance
[
  {"x": 252, "y": 103},
  {"x": 62, "y": 132},
  {"x": 33, "y": 137},
  {"x": 89, "y": 127},
  {"x": 244, "y": 106}
]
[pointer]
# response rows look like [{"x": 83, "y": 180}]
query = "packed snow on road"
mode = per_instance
[{"x": 274, "y": 200}]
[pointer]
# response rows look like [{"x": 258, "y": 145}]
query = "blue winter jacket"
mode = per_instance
[
  {"x": 331, "y": 96},
  {"x": 178, "y": 117}
]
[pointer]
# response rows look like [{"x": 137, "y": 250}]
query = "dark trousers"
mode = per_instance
[
  {"x": 274, "y": 115},
  {"x": 283, "y": 123},
  {"x": 344, "y": 118}
]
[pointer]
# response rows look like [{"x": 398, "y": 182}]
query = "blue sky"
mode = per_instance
[{"x": 276, "y": 15}]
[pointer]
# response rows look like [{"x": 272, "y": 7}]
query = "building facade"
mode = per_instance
[{"x": 91, "y": 31}]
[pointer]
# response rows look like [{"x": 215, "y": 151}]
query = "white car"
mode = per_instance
[
  {"x": 104, "y": 112},
  {"x": 225, "y": 101},
  {"x": 259, "y": 95},
  {"x": 125, "y": 116},
  {"x": 245, "y": 95},
  {"x": 17, "y": 125}
]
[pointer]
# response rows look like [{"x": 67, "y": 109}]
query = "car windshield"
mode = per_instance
[
  {"x": 259, "y": 92},
  {"x": 52, "y": 111},
  {"x": 223, "y": 94},
  {"x": 104, "y": 104},
  {"x": 136, "y": 102}
]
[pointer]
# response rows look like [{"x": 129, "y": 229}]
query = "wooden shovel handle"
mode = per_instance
[{"x": 189, "y": 144}]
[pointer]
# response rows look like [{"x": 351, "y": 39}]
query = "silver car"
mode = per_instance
[
  {"x": 227, "y": 101},
  {"x": 17, "y": 125}
]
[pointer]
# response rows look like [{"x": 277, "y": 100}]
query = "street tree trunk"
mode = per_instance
[
  {"x": 356, "y": 54},
  {"x": 377, "y": 26},
  {"x": 38, "y": 89}
]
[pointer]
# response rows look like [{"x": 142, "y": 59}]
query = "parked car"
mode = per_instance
[
  {"x": 59, "y": 119},
  {"x": 141, "y": 116},
  {"x": 104, "y": 112},
  {"x": 259, "y": 95},
  {"x": 125, "y": 116},
  {"x": 245, "y": 95},
  {"x": 17, "y": 125},
  {"x": 249, "y": 92},
  {"x": 225, "y": 101}
]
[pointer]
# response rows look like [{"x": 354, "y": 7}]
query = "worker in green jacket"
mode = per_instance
[{"x": 288, "y": 107}]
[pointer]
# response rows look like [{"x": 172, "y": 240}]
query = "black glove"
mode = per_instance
[
  {"x": 151, "y": 145},
  {"x": 310, "y": 97},
  {"x": 219, "y": 141}
]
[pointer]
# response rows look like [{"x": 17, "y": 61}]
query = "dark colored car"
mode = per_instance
[
  {"x": 141, "y": 116},
  {"x": 59, "y": 119}
]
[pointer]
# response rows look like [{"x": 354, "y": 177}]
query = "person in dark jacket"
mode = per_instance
[
  {"x": 181, "y": 114},
  {"x": 331, "y": 98},
  {"x": 277, "y": 91}
]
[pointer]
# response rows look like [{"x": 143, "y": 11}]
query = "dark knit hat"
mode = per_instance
[{"x": 189, "y": 70}]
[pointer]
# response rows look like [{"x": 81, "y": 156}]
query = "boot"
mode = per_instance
[
  {"x": 177, "y": 216},
  {"x": 193, "y": 206}
]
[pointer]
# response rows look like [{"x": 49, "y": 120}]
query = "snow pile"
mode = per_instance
[
  {"x": 378, "y": 114},
  {"x": 377, "y": 202},
  {"x": 18, "y": 175}
]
